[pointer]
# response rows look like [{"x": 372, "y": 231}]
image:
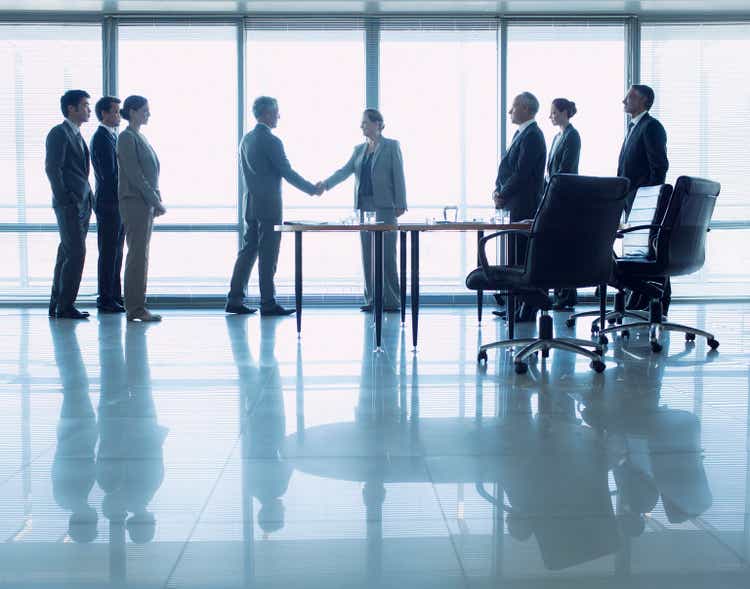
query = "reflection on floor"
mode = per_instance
[{"x": 213, "y": 451}]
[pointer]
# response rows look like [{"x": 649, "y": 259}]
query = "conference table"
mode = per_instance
[{"x": 406, "y": 230}]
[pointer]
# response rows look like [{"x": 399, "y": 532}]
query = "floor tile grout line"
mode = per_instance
[
  {"x": 464, "y": 575},
  {"x": 201, "y": 512}
]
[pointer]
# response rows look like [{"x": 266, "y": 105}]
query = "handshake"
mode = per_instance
[{"x": 320, "y": 188}]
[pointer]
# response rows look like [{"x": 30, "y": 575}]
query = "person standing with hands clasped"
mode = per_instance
[{"x": 140, "y": 203}]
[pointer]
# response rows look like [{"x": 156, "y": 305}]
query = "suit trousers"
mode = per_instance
[
  {"x": 110, "y": 235},
  {"x": 138, "y": 220},
  {"x": 73, "y": 225},
  {"x": 261, "y": 243},
  {"x": 391, "y": 293}
]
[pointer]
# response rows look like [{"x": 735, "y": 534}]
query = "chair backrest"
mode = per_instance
[
  {"x": 681, "y": 241},
  {"x": 649, "y": 206},
  {"x": 574, "y": 230}
]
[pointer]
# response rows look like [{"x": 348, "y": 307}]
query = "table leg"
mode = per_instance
[
  {"x": 378, "y": 285},
  {"x": 480, "y": 293},
  {"x": 510, "y": 310},
  {"x": 298, "y": 279},
  {"x": 402, "y": 253},
  {"x": 414, "y": 287}
]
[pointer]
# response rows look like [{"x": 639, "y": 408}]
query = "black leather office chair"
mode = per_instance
[
  {"x": 638, "y": 239},
  {"x": 680, "y": 248},
  {"x": 570, "y": 246}
]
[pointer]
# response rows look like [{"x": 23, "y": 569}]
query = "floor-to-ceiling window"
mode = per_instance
[
  {"x": 439, "y": 97},
  {"x": 699, "y": 73},
  {"x": 437, "y": 82},
  {"x": 316, "y": 71},
  {"x": 38, "y": 63},
  {"x": 188, "y": 73},
  {"x": 583, "y": 62}
]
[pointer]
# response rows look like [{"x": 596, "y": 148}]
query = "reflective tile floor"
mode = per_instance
[{"x": 216, "y": 451}]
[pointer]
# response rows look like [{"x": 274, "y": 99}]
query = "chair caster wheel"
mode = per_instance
[
  {"x": 689, "y": 337},
  {"x": 482, "y": 356},
  {"x": 598, "y": 365},
  {"x": 603, "y": 340},
  {"x": 611, "y": 320},
  {"x": 594, "y": 329},
  {"x": 570, "y": 322},
  {"x": 713, "y": 343},
  {"x": 520, "y": 367},
  {"x": 625, "y": 333},
  {"x": 656, "y": 347}
]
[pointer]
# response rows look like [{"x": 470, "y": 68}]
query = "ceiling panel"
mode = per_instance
[{"x": 640, "y": 7}]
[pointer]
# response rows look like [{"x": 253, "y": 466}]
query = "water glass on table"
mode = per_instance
[
  {"x": 450, "y": 214},
  {"x": 370, "y": 218}
]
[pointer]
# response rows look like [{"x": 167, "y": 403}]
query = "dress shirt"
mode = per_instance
[
  {"x": 112, "y": 130},
  {"x": 634, "y": 121},
  {"x": 522, "y": 128}
]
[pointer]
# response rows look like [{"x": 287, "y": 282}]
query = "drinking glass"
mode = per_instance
[
  {"x": 450, "y": 213},
  {"x": 370, "y": 217}
]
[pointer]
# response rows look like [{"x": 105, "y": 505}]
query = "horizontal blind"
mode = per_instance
[
  {"x": 304, "y": 23},
  {"x": 39, "y": 63},
  {"x": 700, "y": 75}
]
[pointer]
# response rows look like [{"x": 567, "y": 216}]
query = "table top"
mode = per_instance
[{"x": 302, "y": 226}]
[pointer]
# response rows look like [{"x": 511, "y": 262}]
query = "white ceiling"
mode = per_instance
[{"x": 638, "y": 7}]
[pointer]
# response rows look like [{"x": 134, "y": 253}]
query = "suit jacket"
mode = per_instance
[
  {"x": 67, "y": 166},
  {"x": 520, "y": 177},
  {"x": 104, "y": 160},
  {"x": 643, "y": 159},
  {"x": 388, "y": 182},
  {"x": 264, "y": 164},
  {"x": 138, "y": 168},
  {"x": 567, "y": 152}
]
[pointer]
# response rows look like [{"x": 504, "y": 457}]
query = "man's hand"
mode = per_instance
[
  {"x": 400, "y": 212},
  {"x": 499, "y": 201},
  {"x": 159, "y": 210},
  {"x": 320, "y": 188}
]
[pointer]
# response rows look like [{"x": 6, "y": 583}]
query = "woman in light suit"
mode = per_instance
[
  {"x": 140, "y": 202},
  {"x": 563, "y": 159},
  {"x": 379, "y": 186}
]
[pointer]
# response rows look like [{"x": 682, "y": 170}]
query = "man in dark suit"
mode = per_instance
[
  {"x": 67, "y": 167},
  {"x": 643, "y": 161},
  {"x": 109, "y": 228},
  {"x": 520, "y": 177},
  {"x": 643, "y": 157},
  {"x": 264, "y": 164}
]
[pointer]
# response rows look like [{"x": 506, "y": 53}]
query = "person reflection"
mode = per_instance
[
  {"x": 130, "y": 461},
  {"x": 73, "y": 463},
  {"x": 268, "y": 472}
]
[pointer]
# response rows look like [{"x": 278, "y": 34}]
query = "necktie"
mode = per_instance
[{"x": 630, "y": 129}]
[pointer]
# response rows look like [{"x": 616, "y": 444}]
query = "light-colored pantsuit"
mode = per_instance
[
  {"x": 388, "y": 199},
  {"x": 138, "y": 192},
  {"x": 391, "y": 296}
]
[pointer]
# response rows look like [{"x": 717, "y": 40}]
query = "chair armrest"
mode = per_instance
[
  {"x": 483, "y": 254},
  {"x": 637, "y": 228}
]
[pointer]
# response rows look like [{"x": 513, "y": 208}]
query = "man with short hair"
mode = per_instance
[
  {"x": 643, "y": 161},
  {"x": 264, "y": 164},
  {"x": 67, "y": 167},
  {"x": 643, "y": 156},
  {"x": 110, "y": 231},
  {"x": 520, "y": 178}
]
